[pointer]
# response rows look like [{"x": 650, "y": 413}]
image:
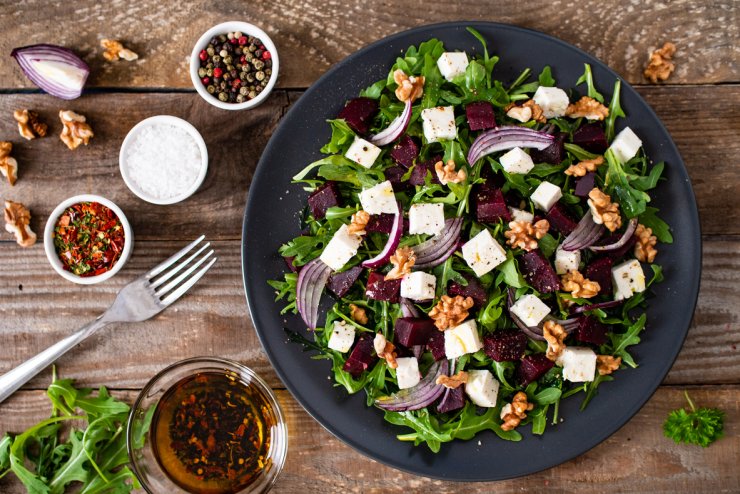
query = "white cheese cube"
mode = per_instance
[
  {"x": 566, "y": 260},
  {"x": 530, "y": 309},
  {"x": 418, "y": 286},
  {"x": 579, "y": 364},
  {"x": 452, "y": 64},
  {"x": 407, "y": 372},
  {"x": 462, "y": 339},
  {"x": 379, "y": 199},
  {"x": 340, "y": 249},
  {"x": 483, "y": 253},
  {"x": 516, "y": 161},
  {"x": 521, "y": 215},
  {"x": 342, "y": 337},
  {"x": 625, "y": 145},
  {"x": 628, "y": 279},
  {"x": 439, "y": 123},
  {"x": 363, "y": 152},
  {"x": 546, "y": 195},
  {"x": 553, "y": 101},
  {"x": 426, "y": 218},
  {"x": 482, "y": 388}
]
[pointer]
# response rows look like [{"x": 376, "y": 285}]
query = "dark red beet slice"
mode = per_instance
[
  {"x": 289, "y": 261},
  {"x": 419, "y": 173},
  {"x": 585, "y": 184},
  {"x": 591, "y": 137},
  {"x": 323, "y": 198},
  {"x": 538, "y": 272},
  {"x": 480, "y": 115},
  {"x": 600, "y": 271},
  {"x": 361, "y": 357},
  {"x": 405, "y": 151},
  {"x": 620, "y": 252},
  {"x": 381, "y": 223},
  {"x": 412, "y": 331},
  {"x": 560, "y": 220},
  {"x": 474, "y": 290},
  {"x": 590, "y": 330},
  {"x": 490, "y": 205},
  {"x": 340, "y": 283},
  {"x": 553, "y": 154},
  {"x": 505, "y": 345},
  {"x": 380, "y": 289},
  {"x": 359, "y": 113},
  {"x": 532, "y": 367},
  {"x": 452, "y": 399},
  {"x": 394, "y": 175},
  {"x": 436, "y": 345}
]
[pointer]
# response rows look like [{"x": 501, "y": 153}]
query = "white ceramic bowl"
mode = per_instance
[
  {"x": 177, "y": 122},
  {"x": 223, "y": 28},
  {"x": 51, "y": 253}
]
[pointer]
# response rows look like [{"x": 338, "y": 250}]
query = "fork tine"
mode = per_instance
[
  {"x": 173, "y": 259},
  {"x": 185, "y": 287},
  {"x": 172, "y": 272},
  {"x": 172, "y": 284}
]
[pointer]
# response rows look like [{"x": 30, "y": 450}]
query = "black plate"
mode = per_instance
[{"x": 272, "y": 218}]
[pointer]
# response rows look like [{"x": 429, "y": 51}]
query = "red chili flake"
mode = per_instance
[
  {"x": 203, "y": 55},
  {"x": 266, "y": 55},
  {"x": 218, "y": 72}
]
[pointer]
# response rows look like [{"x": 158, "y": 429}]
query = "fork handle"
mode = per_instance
[{"x": 14, "y": 379}]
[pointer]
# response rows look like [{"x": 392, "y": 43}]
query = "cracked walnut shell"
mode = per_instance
[
  {"x": 606, "y": 364},
  {"x": 578, "y": 286},
  {"x": 660, "y": 67},
  {"x": 447, "y": 174},
  {"x": 358, "y": 222},
  {"x": 403, "y": 260},
  {"x": 450, "y": 311},
  {"x": 17, "y": 220},
  {"x": 645, "y": 250},
  {"x": 587, "y": 107},
  {"x": 8, "y": 164},
  {"x": 454, "y": 381},
  {"x": 603, "y": 210},
  {"x": 409, "y": 87},
  {"x": 524, "y": 234},
  {"x": 29, "y": 126},
  {"x": 76, "y": 131},
  {"x": 114, "y": 50},
  {"x": 555, "y": 335},
  {"x": 513, "y": 413},
  {"x": 582, "y": 167}
]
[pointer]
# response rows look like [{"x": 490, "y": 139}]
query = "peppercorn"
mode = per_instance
[
  {"x": 243, "y": 91},
  {"x": 223, "y": 53},
  {"x": 221, "y": 38},
  {"x": 242, "y": 40},
  {"x": 258, "y": 64},
  {"x": 216, "y": 58},
  {"x": 227, "y": 76},
  {"x": 202, "y": 72},
  {"x": 240, "y": 98},
  {"x": 211, "y": 88},
  {"x": 228, "y": 59},
  {"x": 266, "y": 55},
  {"x": 258, "y": 53},
  {"x": 232, "y": 98},
  {"x": 230, "y": 35},
  {"x": 260, "y": 75},
  {"x": 210, "y": 51},
  {"x": 250, "y": 77},
  {"x": 238, "y": 50},
  {"x": 252, "y": 94},
  {"x": 206, "y": 81},
  {"x": 252, "y": 47},
  {"x": 209, "y": 72},
  {"x": 223, "y": 96},
  {"x": 217, "y": 72}
]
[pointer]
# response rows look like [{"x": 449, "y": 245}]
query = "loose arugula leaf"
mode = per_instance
[
  {"x": 700, "y": 426},
  {"x": 545, "y": 78},
  {"x": 341, "y": 137},
  {"x": 509, "y": 272},
  {"x": 645, "y": 183},
  {"x": 621, "y": 341},
  {"x": 588, "y": 78},
  {"x": 660, "y": 228},
  {"x": 374, "y": 91},
  {"x": 615, "y": 111}
]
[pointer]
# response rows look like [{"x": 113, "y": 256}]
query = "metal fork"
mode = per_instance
[{"x": 143, "y": 298}]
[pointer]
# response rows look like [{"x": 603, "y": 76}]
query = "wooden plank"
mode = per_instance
[
  {"x": 317, "y": 462},
  {"x": 312, "y": 36},
  {"x": 213, "y": 319}
]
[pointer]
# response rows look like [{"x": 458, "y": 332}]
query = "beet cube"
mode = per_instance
[
  {"x": 591, "y": 137},
  {"x": 359, "y": 113},
  {"x": 505, "y": 345},
  {"x": 532, "y": 367},
  {"x": 585, "y": 184},
  {"x": 419, "y": 173},
  {"x": 340, "y": 283},
  {"x": 600, "y": 271},
  {"x": 553, "y": 154},
  {"x": 381, "y": 223},
  {"x": 620, "y": 252},
  {"x": 480, "y": 115},
  {"x": 490, "y": 205},
  {"x": 412, "y": 331},
  {"x": 361, "y": 357},
  {"x": 289, "y": 261},
  {"x": 474, "y": 290},
  {"x": 405, "y": 151},
  {"x": 394, "y": 175},
  {"x": 539, "y": 272},
  {"x": 591, "y": 330},
  {"x": 452, "y": 399},
  {"x": 436, "y": 345},
  {"x": 560, "y": 220},
  {"x": 378, "y": 288},
  {"x": 323, "y": 198}
]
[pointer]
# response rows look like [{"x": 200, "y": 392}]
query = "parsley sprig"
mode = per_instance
[{"x": 700, "y": 426}]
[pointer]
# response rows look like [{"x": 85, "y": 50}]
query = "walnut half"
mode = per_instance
[
  {"x": 385, "y": 350},
  {"x": 603, "y": 210},
  {"x": 447, "y": 174},
  {"x": 409, "y": 87},
  {"x": 450, "y": 311},
  {"x": 76, "y": 131},
  {"x": 555, "y": 336},
  {"x": 582, "y": 167},
  {"x": 578, "y": 286},
  {"x": 587, "y": 107},
  {"x": 524, "y": 234},
  {"x": 606, "y": 364},
  {"x": 454, "y": 381},
  {"x": 29, "y": 125},
  {"x": 660, "y": 66},
  {"x": 17, "y": 220},
  {"x": 115, "y": 50},
  {"x": 513, "y": 413},
  {"x": 8, "y": 164},
  {"x": 645, "y": 250},
  {"x": 403, "y": 260}
]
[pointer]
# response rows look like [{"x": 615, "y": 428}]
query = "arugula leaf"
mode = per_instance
[
  {"x": 488, "y": 62},
  {"x": 341, "y": 137},
  {"x": 588, "y": 78},
  {"x": 631, "y": 200},
  {"x": 621, "y": 341},
  {"x": 509, "y": 272},
  {"x": 645, "y": 183},
  {"x": 579, "y": 152},
  {"x": 660, "y": 228},
  {"x": 548, "y": 244},
  {"x": 615, "y": 111},
  {"x": 446, "y": 273},
  {"x": 700, "y": 426},
  {"x": 432, "y": 82},
  {"x": 374, "y": 91},
  {"x": 545, "y": 78}
]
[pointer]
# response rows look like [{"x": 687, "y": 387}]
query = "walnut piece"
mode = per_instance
[
  {"x": 587, "y": 107},
  {"x": 555, "y": 335},
  {"x": 115, "y": 50},
  {"x": 524, "y": 234},
  {"x": 76, "y": 131},
  {"x": 385, "y": 350},
  {"x": 585, "y": 166},
  {"x": 521, "y": 113},
  {"x": 454, "y": 381},
  {"x": 8, "y": 164},
  {"x": 603, "y": 210},
  {"x": 513, "y": 413},
  {"x": 450, "y": 311},
  {"x": 537, "y": 114},
  {"x": 446, "y": 173},
  {"x": 578, "y": 286},
  {"x": 358, "y": 222},
  {"x": 409, "y": 87},
  {"x": 357, "y": 314},
  {"x": 403, "y": 260},
  {"x": 29, "y": 125},
  {"x": 645, "y": 250},
  {"x": 660, "y": 67},
  {"x": 606, "y": 364},
  {"x": 17, "y": 220}
]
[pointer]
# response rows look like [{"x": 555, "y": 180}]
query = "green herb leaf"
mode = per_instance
[
  {"x": 700, "y": 426},
  {"x": 341, "y": 137},
  {"x": 545, "y": 78},
  {"x": 660, "y": 228},
  {"x": 588, "y": 78},
  {"x": 615, "y": 111}
]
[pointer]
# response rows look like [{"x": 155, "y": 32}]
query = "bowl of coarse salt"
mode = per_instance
[{"x": 163, "y": 159}]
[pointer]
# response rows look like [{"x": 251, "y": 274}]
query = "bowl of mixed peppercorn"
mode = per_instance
[{"x": 234, "y": 65}]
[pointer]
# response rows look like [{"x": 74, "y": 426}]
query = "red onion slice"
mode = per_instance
[
  {"x": 395, "y": 128},
  {"x": 441, "y": 246},
  {"x": 311, "y": 281},
  {"x": 535, "y": 332},
  {"x": 631, "y": 227},
  {"x": 421, "y": 395},
  {"x": 601, "y": 305},
  {"x": 408, "y": 308},
  {"x": 55, "y": 69},
  {"x": 507, "y": 137},
  {"x": 587, "y": 233},
  {"x": 390, "y": 247}
]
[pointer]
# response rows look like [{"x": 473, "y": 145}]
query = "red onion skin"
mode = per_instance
[
  {"x": 507, "y": 137},
  {"x": 59, "y": 54},
  {"x": 601, "y": 305},
  {"x": 434, "y": 248},
  {"x": 390, "y": 247},
  {"x": 631, "y": 227},
  {"x": 310, "y": 285},
  {"x": 587, "y": 233},
  {"x": 390, "y": 134},
  {"x": 421, "y": 395}
]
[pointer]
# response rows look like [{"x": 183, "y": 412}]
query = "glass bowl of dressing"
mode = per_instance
[{"x": 206, "y": 425}]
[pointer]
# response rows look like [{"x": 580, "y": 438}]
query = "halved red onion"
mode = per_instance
[
  {"x": 311, "y": 281},
  {"x": 421, "y": 395},
  {"x": 390, "y": 247},
  {"x": 579, "y": 309},
  {"x": 507, "y": 137},
  {"x": 55, "y": 69},
  {"x": 587, "y": 233},
  {"x": 395, "y": 128},
  {"x": 631, "y": 227},
  {"x": 437, "y": 249},
  {"x": 535, "y": 332}
]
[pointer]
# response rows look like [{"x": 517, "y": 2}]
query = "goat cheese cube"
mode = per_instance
[
  {"x": 482, "y": 388},
  {"x": 426, "y": 218},
  {"x": 452, "y": 64},
  {"x": 553, "y": 101},
  {"x": 628, "y": 279},
  {"x": 462, "y": 339},
  {"x": 566, "y": 260},
  {"x": 546, "y": 195},
  {"x": 530, "y": 309},
  {"x": 625, "y": 145},
  {"x": 521, "y": 215},
  {"x": 483, "y": 253},
  {"x": 439, "y": 123},
  {"x": 579, "y": 364},
  {"x": 341, "y": 248},
  {"x": 363, "y": 152},
  {"x": 516, "y": 161},
  {"x": 342, "y": 337},
  {"x": 418, "y": 286},
  {"x": 407, "y": 372},
  {"x": 379, "y": 199}
]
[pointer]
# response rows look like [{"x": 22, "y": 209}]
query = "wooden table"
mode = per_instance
[{"x": 700, "y": 106}]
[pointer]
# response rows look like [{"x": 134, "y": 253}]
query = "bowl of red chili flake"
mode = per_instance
[{"x": 87, "y": 239}]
